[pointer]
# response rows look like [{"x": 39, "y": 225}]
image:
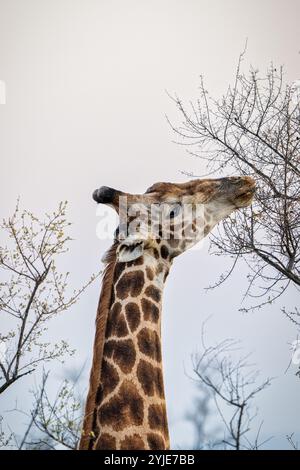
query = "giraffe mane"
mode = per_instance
[{"x": 101, "y": 319}]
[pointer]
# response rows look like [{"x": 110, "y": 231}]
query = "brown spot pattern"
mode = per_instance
[
  {"x": 153, "y": 292},
  {"x": 150, "y": 378},
  {"x": 150, "y": 310},
  {"x": 133, "y": 442},
  {"x": 105, "y": 442},
  {"x": 123, "y": 410},
  {"x": 119, "y": 268},
  {"x": 130, "y": 283},
  {"x": 173, "y": 242},
  {"x": 155, "y": 442},
  {"x": 150, "y": 273},
  {"x": 157, "y": 417},
  {"x": 116, "y": 324},
  {"x": 133, "y": 315},
  {"x": 206, "y": 230},
  {"x": 122, "y": 352},
  {"x": 109, "y": 379},
  {"x": 149, "y": 343}
]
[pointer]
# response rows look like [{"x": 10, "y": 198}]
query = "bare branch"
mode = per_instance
[
  {"x": 232, "y": 384},
  {"x": 253, "y": 129}
]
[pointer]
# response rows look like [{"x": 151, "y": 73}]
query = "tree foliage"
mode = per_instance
[{"x": 32, "y": 291}]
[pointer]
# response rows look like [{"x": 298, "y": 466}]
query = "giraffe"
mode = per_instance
[{"x": 125, "y": 406}]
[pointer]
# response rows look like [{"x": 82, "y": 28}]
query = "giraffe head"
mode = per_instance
[{"x": 170, "y": 218}]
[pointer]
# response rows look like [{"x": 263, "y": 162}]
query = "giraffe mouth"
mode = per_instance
[
  {"x": 244, "y": 196},
  {"x": 238, "y": 191}
]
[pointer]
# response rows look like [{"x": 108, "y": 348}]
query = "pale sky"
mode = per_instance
[{"x": 85, "y": 106}]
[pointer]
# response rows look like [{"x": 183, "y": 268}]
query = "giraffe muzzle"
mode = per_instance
[{"x": 237, "y": 186}]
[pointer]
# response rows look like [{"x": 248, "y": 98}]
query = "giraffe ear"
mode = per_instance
[{"x": 129, "y": 250}]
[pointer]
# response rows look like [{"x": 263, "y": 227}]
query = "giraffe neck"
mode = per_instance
[{"x": 129, "y": 410}]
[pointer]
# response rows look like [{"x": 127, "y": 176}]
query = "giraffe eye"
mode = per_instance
[{"x": 174, "y": 211}]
